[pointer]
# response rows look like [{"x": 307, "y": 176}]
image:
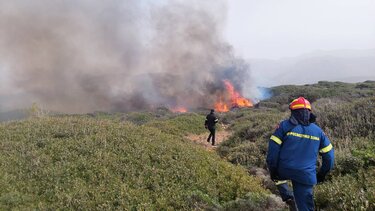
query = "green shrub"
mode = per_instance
[
  {"x": 140, "y": 161},
  {"x": 267, "y": 104},
  {"x": 139, "y": 118},
  {"x": 255, "y": 202},
  {"x": 286, "y": 93},
  {"x": 344, "y": 120},
  {"x": 348, "y": 164},
  {"x": 79, "y": 163},
  {"x": 183, "y": 124},
  {"x": 367, "y": 156},
  {"x": 247, "y": 155},
  {"x": 347, "y": 192},
  {"x": 252, "y": 129}
]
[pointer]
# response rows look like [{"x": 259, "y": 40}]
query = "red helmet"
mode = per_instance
[{"x": 299, "y": 103}]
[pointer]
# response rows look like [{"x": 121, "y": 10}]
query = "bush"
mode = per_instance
[
  {"x": 267, "y": 104},
  {"x": 366, "y": 155},
  {"x": 255, "y": 202},
  {"x": 252, "y": 129},
  {"x": 138, "y": 118},
  {"x": 348, "y": 164},
  {"x": 247, "y": 155},
  {"x": 323, "y": 89},
  {"x": 183, "y": 124},
  {"x": 347, "y": 192},
  {"x": 80, "y": 163},
  {"x": 347, "y": 120}
]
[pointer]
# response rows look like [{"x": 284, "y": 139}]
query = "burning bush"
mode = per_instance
[{"x": 230, "y": 98}]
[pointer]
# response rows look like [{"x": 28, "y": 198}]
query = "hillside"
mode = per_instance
[
  {"x": 145, "y": 160},
  {"x": 346, "y": 112},
  {"x": 282, "y": 95},
  {"x": 100, "y": 163}
]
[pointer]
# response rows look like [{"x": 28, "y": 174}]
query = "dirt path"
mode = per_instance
[{"x": 221, "y": 136}]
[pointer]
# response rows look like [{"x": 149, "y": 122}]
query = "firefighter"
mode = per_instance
[
  {"x": 209, "y": 124},
  {"x": 292, "y": 155}
]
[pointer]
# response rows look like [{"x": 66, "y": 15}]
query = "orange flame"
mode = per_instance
[
  {"x": 220, "y": 106},
  {"x": 236, "y": 99},
  {"x": 233, "y": 99},
  {"x": 179, "y": 109}
]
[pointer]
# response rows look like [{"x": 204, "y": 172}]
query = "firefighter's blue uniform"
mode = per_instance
[{"x": 292, "y": 155}]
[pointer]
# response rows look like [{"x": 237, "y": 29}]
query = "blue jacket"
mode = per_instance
[{"x": 293, "y": 151}]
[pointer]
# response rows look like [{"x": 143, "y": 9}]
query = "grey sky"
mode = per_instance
[{"x": 274, "y": 29}]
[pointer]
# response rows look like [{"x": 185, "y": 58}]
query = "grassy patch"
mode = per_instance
[
  {"x": 81, "y": 163},
  {"x": 180, "y": 125}
]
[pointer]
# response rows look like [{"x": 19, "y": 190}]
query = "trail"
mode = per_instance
[{"x": 221, "y": 135}]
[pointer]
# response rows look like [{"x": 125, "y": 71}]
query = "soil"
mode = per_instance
[{"x": 221, "y": 135}]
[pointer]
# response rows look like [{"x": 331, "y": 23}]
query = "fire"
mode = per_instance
[
  {"x": 179, "y": 109},
  {"x": 231, "y": 99},
  {"x": 236, "y": 99},
  {"x": 220, "y": 106}
]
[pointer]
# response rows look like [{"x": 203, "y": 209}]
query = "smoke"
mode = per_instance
[{"x": 81, "y": 56}]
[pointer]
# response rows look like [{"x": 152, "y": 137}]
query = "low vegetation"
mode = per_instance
[
  {"x": 141, "y": 160},
  {"x": 86, "y": 163},
  {"x": 346, "y": 112},
  {"x": 282, "y": 95}
]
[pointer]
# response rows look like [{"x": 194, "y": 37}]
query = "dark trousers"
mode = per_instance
[{"x": 212, "y": 134}]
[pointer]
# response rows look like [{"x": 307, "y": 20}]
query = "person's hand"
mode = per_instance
[{"x": 320, "y": 177}]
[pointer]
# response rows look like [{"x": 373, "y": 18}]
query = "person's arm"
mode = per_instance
[
  {"x": 206, "y": 122},
  {"x": 327, "y": 152},
  {"x": 274, "y": 145}
]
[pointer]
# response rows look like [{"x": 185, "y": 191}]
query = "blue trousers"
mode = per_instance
[
  {"x": 284, "y": 190},
  {"x": 303, "y": 195}
]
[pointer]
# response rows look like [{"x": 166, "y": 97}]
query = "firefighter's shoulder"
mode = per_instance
[
  {"x": 282, "y": 124},
  {"x": 278, "y": 125},
  {"x": 316, "y": 128}
]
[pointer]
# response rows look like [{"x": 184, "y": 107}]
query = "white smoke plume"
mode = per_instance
[{"x": 85, "y": 55}]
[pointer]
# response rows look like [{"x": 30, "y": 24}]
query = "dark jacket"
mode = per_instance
[{"x": 211, "y": 120}]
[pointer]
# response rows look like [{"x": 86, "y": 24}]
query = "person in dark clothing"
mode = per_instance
[
  {"x": 209, "y": 124},
  {"x": 292, "y": 154}
]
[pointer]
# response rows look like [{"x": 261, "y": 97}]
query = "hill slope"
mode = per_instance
[
  {"x": 82, "y": 163},
  {"x": 346, "y": 113}
]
